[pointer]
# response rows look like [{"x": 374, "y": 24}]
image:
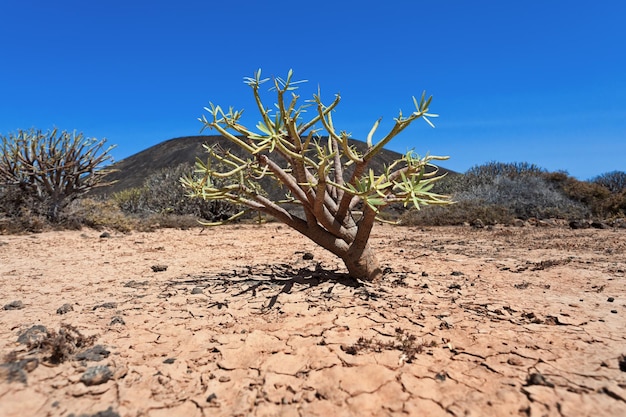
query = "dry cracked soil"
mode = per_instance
[{"x": 255, "y": 320}]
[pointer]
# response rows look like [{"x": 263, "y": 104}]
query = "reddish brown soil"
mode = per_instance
[{"x": 233, "y": 321}]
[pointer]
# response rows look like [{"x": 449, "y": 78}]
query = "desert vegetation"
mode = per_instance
[
  {"x": 162, "y": 202},
  {"x": 305, "y": 173},
  {"x": 162, "y": 194},
  {"x": 507, "y": 193},
  {"x": 41, "y": 173},
  {"x": 338, "y": 194}
]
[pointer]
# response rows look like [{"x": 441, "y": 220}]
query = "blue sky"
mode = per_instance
[{"x": 535, "y": 81}]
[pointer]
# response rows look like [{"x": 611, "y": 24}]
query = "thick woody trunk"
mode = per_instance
[
  {"x": 363, "y": 264},
  {"x": 357, "y": 255}
]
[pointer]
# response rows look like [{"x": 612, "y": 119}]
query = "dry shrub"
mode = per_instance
[
  {"x": 501, "y": 192},
  {"x": 98, "y": 215},
  {"x": 404, "y": 342},
  {"x": 57, "y": 347},
  {"x": 601, "y": 200},
  {"x": 163, "y": 195},
  {"x": 525, "y": 197},
  {"x": 459, "y": 213},
  {"x": 20, "y": 212},
  {"x": 614, "y": 181}
]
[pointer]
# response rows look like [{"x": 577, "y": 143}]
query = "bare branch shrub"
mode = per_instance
[{"x": 614, "y": 181}]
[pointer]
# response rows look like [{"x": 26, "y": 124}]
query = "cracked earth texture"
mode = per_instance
[{"x": 239, "y": 320}]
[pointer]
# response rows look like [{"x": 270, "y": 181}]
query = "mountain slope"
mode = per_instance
[{"x": 132, "y": 171}]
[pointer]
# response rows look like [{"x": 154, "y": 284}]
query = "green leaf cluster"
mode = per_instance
[{"x": 313, "y": 161}]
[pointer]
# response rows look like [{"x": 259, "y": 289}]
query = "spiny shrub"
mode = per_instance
[{"x": 51, "y": 167}]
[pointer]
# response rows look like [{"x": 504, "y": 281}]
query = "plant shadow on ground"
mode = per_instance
[{"x": 279, "y": 278}]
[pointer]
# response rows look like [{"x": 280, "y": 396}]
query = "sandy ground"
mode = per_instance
[{"x": 239, "y": 320}]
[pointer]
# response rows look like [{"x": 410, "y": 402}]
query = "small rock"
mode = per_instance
[
  {"x": 579, "y": 224},
  {"x": 105, "y": 235},
  {"x": 108, "y": 305},
  {"x": 610, "y": 299},
  {"x": 106, "y": 413},
  {"x": 159, "y": 268},
  {"x": 621, "y": 361},
  {"x": 457, "y": 273},
  {"x": 95, "y": 354},
  {"x": 212, "y": 397},
  {"x": 33, "y": 335},
  {"x": 478, "y": 224},
  {"x": 224, "y": 378},
  {"x": 538, "y": 379},
  {"x": 552, "y": 321},
  {"x": 307, "y": 256},
  {"x": 599, "y": 225},
  {"x": 65, "y": 308},
  {"x": 117, "y": 320},
  {"x": 169, "y": 361},
  {"x": 14, "y": 305},
  {"x": 135, "y": 284},
  {"x": 515, "y": 361},
  {"x": 197, "y": 290},
  {"x": 96, "y": 375}
]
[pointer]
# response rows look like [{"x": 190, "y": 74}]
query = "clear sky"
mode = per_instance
[{"x": 513, "y": 81}]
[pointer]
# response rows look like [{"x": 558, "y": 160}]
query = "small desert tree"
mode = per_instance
[
  {"x": 51, "y": 167},
  {"x": 323, "y": 174}
]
